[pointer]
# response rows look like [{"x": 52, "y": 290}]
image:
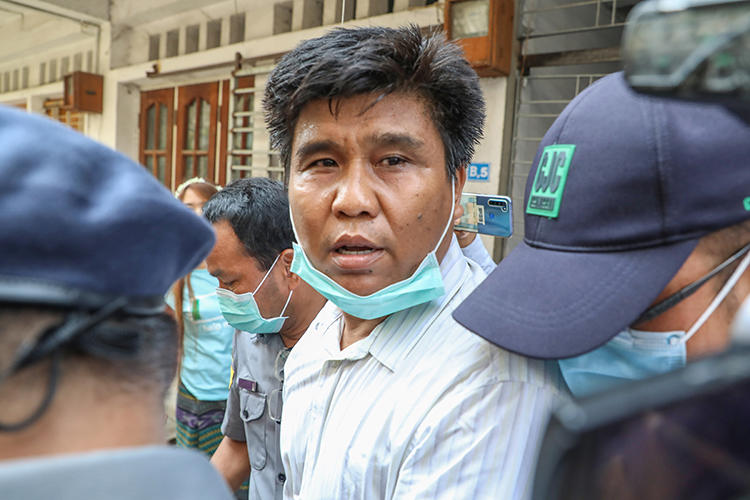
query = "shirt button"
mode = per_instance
[
  {"x": 245, "y": 414},
  {"x": 281, "y": 478}
]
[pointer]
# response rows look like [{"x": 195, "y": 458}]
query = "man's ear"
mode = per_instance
[
  {"x": 285, "y": 259},
  {"x": 460, "y": 182}
]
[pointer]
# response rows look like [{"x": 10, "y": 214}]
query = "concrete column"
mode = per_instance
[
  {"x": 127, "y": 132},
  {"x": 224, "y": 38},
  {"x": 35, "y": 104},
  {"x": 260, "y": 23},
  {"x": 202, "y": 35}
]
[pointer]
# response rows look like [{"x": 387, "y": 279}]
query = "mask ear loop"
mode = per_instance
[
  {"x": 453, "y": 210},
  {"x": 264, "y": 279},
  {"x": 287, "y": 303},
  {"x": 719, "y": 297},
  {"x": 266, "y": 276},
  {"x": 294, "y": 229}
]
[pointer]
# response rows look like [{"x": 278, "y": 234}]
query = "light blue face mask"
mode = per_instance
[
  {"x": 630, "y": 355},
  {"x": 241, "y": 311},
  {"x": 424, "y": 285},
  {"x": 634, "y": 354}
]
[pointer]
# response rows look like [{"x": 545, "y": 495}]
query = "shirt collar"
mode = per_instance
[{"x": 394, "y": 338}]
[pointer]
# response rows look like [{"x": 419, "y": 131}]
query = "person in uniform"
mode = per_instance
[
  {"x": 271, "y": 308},
  {"x": 637, "y": 240},
  {"x": 90, "y": 243}
]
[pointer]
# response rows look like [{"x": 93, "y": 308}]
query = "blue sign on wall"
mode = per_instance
[{"x": 479, "y": 172}]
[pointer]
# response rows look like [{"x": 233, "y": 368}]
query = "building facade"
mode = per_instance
[{"x": 182, "y": 80}]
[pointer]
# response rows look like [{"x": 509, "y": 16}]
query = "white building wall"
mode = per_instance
[
  {"x": 490, "y": 149},
  {"x": 197, "y": 67}
]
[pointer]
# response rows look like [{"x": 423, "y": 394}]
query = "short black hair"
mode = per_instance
[
  {"x": 258, "y": 211},
  {"x": 126, "y": 352},
  {"x": 347, "y": 62}
]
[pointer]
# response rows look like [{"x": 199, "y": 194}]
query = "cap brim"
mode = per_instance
[{"x": 554, "y": 304}]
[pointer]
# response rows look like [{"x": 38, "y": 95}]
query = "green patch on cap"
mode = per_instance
[
  {"x": 747, "y": 203},
  {"x": 549, "y": 183}
]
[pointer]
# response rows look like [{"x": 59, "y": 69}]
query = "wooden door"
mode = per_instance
[
  {"x": 156, "y": 133},
  {"x": 197, "y": 114}
]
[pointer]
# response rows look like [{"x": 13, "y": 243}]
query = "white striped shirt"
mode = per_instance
[
  {"x": 420, "y": 409},
  {"x": 477, "y": 252}
]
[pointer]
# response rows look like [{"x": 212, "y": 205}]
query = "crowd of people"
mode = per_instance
[{"x": 333, "y": 338}]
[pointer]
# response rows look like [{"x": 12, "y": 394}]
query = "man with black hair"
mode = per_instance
[
  {"x": 271, "y": 308},
  {"x": 90, "y": 243},
  {"x": 385, "y": 395}
]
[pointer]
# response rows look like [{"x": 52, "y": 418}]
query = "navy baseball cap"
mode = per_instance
[
  {"x": 82, "y": 225},
  {"x": 622, "y": 188}
]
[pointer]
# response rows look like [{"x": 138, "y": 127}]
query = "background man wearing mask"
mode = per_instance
[
  {"x": 90, "y": 243},
  {"x": 637, "y": 237},
  {"x": 385, "y": 395},
  {"x": 271, "y": 308}
]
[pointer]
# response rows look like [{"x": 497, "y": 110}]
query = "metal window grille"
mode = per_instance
[
  {"x": 565, "y": 46},
  {"x": 244, "y": 157}
]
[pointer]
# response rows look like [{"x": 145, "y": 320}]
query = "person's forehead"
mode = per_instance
[
  {"x": 192, "y": 196},
  {"x": 362, "y": 107},
  {"x": 229, "y": 252}
]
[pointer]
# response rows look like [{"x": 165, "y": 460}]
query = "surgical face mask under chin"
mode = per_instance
[
  {"x": 241, "y": 311},
  {"x": 424, "y": 285},
  {"x": 634, "y": 354}
]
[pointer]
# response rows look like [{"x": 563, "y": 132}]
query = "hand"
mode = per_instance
[{"x": 464, "y": 237}]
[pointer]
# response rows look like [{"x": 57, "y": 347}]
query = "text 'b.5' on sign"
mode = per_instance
[{"x": 479, "y": 172}]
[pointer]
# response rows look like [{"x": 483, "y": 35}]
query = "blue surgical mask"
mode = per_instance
[
  {"x": 241, "y": 311},
  {"x": 635, "y": 354},
  {"x": 424, "y": 285},
  {"x": 630, "y": 355}
]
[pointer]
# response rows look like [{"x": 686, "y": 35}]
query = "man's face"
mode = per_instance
[
  {"x": 713, "y": 335},
  {"x": 240, "y": 273},
  {"x": 369, "y": 192}
]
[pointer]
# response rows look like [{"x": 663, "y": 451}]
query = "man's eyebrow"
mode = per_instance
[
  {"x": 314, "y": 147},
  {"x": 385, "y": 139},
  {"x": 396, "y": 139}
]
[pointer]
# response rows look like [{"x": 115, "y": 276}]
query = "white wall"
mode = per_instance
[
  {"x": 35, "y": 39},
  {"x": 490, "y": 149}
]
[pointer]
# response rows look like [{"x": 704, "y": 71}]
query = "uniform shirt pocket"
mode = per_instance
[{"x": 252, "y": 406}]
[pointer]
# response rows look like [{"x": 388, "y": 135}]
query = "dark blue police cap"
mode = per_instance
[
  {"x": 81, "y": 225},
  {"x": 622, "y": 188}
]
